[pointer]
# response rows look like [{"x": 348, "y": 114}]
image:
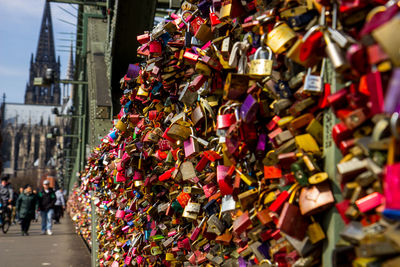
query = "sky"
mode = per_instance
[{"x": 20, "y": 22}]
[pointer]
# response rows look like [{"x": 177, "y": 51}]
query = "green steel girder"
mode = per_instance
[
  {"x": 72, "y": 82},
  {"x": 74, "y": 2}
]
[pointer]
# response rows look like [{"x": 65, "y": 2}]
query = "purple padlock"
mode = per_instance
[
  {"x": 392, "y": 98},
  {"x": 133, "y": 71},
  {"x": 261, "y": 144},
  {"x": 204, "y": 7},
  {"x": 249, "y": 108}
]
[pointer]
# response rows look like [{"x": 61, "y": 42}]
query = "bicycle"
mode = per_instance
[{"x": 5, "y": 218}]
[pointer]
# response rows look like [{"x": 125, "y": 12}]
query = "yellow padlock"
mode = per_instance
[
  {"x": 307, "y": 143},
  {"x": 281, "y": 38},
  {"x": 169, "y": 257},
  {"x": 121, "y": 126}
]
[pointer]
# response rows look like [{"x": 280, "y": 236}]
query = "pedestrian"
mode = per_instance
[
  {"x": 26, "y": 207},
  {"x": 6, "y": 194},
  {"x": 47, "y": 199},
  {"x": 37, "y": 212},
  {"x": 59, "y": 206},
  {"x": 21, "y": 190},
  {"x": 14, "y": 217}
]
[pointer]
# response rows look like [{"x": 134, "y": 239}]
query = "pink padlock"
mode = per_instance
[
  {"x": 191, "y": 147},
  {"x": 209, "y": 189},
  {"x": 137, "y": 176},
  {"x": 369, "y": 202},
  {"x": 139, "y": 259},
  {"x": 120, "y": 214},
  {"x": 120, "y": 178},
  {"x": 391, "y": 186}
]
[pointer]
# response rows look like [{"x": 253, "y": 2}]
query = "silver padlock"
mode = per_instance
[
  {"x": 228, "y": 203},
  {"x": 342, "y": 39},
  {"x": 313, "y": 84}
]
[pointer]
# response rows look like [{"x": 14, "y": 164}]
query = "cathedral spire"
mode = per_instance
[
  {"x": 45, "y": 49},
  {"x": 45, "y": 58}
]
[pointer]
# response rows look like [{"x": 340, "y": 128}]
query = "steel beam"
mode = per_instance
[{"x": 89, "y": 3}]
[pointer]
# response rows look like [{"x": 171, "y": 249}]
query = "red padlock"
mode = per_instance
[
  {"x": 214, "y": 18},
  {"x": 166, "y": 175},
  {"x": 356, "y": 55},
  {"x": 155, "y": 48},
  {"x": 195, "y": 24},
  {"x": 375, "y": 89},
  {"x": 273, "y": 123},
  {"x": 225, "y": 120},
  {"x": 224, "y": 181},
  {"x": 340, "y": 132},
  {"x": 310, "y": 45},
  {"x": 144, "y": 38},
  {"x": 197, "y": 83}
]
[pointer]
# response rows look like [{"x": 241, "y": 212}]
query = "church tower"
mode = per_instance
[{"x": 45, "y": 58}]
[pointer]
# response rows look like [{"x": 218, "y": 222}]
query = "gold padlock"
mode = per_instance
[
  {"x": 315, "y": 232},
  {"x": 179, "y": 132},
  {"x": 281, "y": 38},
  {"x": 225, "y": 11},
  {"x": 121, "y": 126},
  {"x": 261, "y": 66}
]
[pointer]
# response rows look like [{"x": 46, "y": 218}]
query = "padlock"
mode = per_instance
[
  {"x": 335, "y": 55},
  {"x": 179, "y": 132},
  {"x": 235, "y": 86},
  {"x": 191, "y": 147},
  {"x": 215, "y": 225},
  {"x": 280, "y": 38},
  {"x": 188, "y": 171},
  {"x": 291, "y": 220},
  {"x": 313, "y": 83},
  {"x": 261, "y": 65},
  {"x": 241, "y": 223},
  {"x": 155, "y": 48},
  {"x": 249, "y": 108},
  {"x": 225, "y": 120},
  {"x": 213, "y": 17},
  {"x": 228, "y": 203},
  {"x": 383, "y": 34},
  {"x": 191, "y": 211},
  {"x": 226, "y": 47},
  {"x": 225, "y": 185}
]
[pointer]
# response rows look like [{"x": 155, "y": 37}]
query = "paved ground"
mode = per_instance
[{"x": 63, "y": 249}]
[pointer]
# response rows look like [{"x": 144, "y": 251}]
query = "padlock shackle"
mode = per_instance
[
  {"x": 262, "y": 40},
  {"x": 257, "y": 53},
  {"x": 312, "y": 30},
  {"x": 183, "y": 19}
]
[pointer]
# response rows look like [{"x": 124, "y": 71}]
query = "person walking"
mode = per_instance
[
  {"x": 59, "y": 205},
  {"x": 6, "y": 195},
  {"x": 26, "y": 207},
  {"x": 47, "y": 199}
]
